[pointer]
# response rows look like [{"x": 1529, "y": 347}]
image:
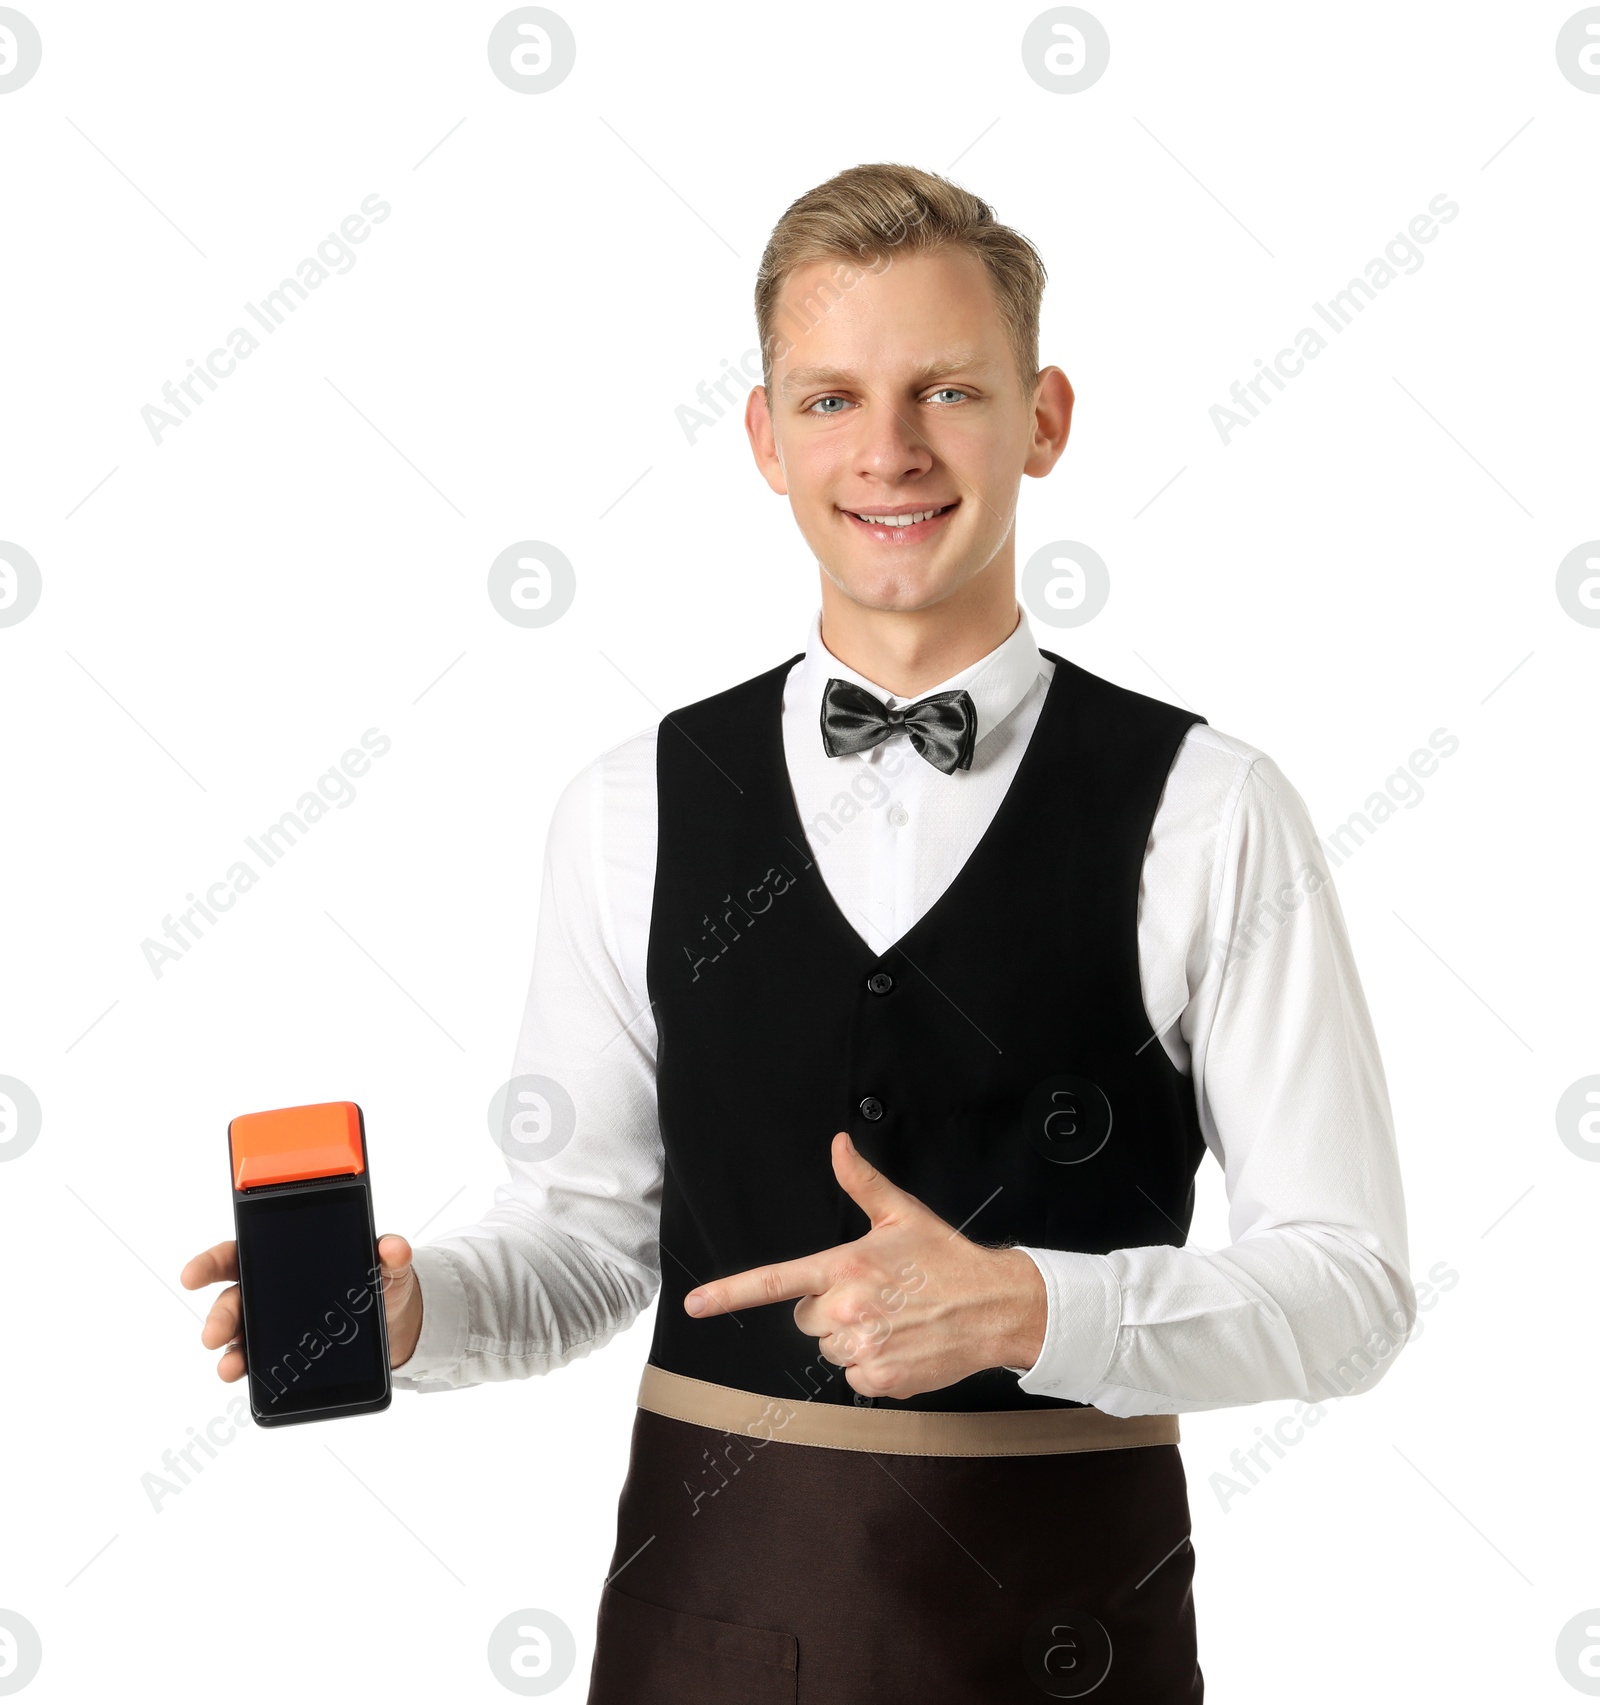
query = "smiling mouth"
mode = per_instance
[{"x": 900, "y": 525}]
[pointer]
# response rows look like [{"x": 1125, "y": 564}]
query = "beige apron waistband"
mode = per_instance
[{"x": 897, "y": 1432}]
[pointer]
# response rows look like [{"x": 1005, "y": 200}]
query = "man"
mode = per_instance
[{"x": 897, "y": 994}]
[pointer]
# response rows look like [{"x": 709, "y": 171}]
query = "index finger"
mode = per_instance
[
  {"x": 219, "y": 1262},
  {"x": 781, "y": 1282}
]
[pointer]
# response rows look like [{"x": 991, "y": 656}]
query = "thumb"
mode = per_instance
[
  {"x": 867, "y": 1187},
  {"x": 394, "y": 1257},
  {"x": 394, "y": 1252}
]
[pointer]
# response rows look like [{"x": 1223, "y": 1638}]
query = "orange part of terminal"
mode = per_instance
[{"x": 290, "y": 1143}]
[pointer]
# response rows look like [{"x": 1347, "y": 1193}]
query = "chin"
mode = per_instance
[{"x": 900, "y": 590}]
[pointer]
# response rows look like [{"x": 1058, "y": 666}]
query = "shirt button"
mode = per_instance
[
  {"x": 880, "y": 982},
  {"x": 871, "y": 1107},
  {"x": 899, "y": 816}
]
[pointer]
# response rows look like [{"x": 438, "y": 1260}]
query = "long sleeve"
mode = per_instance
[
  {"x": 1312, "y": 1297},
  {"x": 567, "y": 1255},
  {"x": 1249, "y": 979}
]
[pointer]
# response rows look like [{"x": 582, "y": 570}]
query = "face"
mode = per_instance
[{"x": 898, "y": 426}]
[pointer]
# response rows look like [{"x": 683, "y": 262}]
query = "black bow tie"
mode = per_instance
[{"x": 941, "y": 726}]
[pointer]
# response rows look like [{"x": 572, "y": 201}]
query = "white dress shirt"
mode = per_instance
[{"x": 1248, "y": 983}]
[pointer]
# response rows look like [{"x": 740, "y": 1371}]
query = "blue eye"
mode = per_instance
[
  {"x": 820, "y": 400},
  {"x": 949, "y": 391}
]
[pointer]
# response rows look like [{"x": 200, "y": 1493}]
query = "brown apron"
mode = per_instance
[{"x": 754, "y": 1570}]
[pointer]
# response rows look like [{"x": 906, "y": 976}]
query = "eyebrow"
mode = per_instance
[{"x": 952, "y": 361}]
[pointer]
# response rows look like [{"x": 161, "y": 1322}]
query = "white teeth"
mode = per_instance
[{"x": 900, "y": 520}]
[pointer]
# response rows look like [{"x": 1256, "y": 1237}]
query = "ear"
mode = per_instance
[
  {"x": 763, "y": 440},
  {"x": 1052, "y": 421}
]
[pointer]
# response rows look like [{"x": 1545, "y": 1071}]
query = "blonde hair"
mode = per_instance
[{"x": 869, "y": 214}]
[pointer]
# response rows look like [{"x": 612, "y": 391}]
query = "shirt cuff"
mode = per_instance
[
  {"x": 1083, "y": 1303},
  {"x": 443, "y": 1340}
]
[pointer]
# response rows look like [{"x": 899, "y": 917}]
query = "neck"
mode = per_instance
[{"x": 908, "y": 651}]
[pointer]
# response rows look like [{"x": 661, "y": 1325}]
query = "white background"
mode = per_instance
[{"x": 306, "y": 557}]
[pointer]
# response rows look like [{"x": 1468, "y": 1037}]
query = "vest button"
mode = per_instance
[
  {"x": 871, "y": 1107},
  {"x": 880, "y": 982}
]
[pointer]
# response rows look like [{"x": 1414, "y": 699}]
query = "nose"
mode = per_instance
[{"x": 889, "y": 444}]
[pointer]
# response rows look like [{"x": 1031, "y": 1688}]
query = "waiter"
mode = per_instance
[{"x": 883, "y": 1008}]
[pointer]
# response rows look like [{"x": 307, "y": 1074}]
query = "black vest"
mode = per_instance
[{"x": 996, "y": 1061}]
